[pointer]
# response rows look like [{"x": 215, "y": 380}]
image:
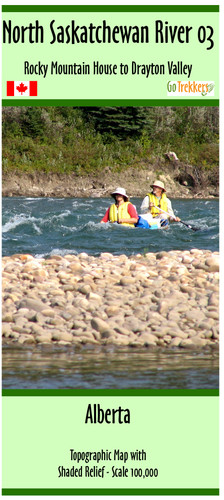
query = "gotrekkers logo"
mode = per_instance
[{"x": 190, "y": 88}]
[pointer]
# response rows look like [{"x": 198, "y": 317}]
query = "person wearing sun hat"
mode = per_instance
[
  {"x": 122, "y": 211},
  {"x": 155, "y": 200}
]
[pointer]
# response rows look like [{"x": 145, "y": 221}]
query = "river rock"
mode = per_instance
[
  {"x": 176, "y": 332},
  {"x": 26, "y": 339},
  {"x": 40, "y": 319},
  {"x": 14, "y": 335},
  {"x": 195, "y": 315},
  {"x": 122, "y": 330},
  {"x": 109, "y": 334},
  {"x": 213, "y": 299},
  {"x": 78, "y": 325},
  {"x": 84, "y": 289},
  {"x": 59, "y": 335},
  {"x": 186, "y": 343},
  {"x": 175, "y": 342},
  {"x": 127, "y": 280},
  {"x": 148, "y": 338},
  {"x": 6, "y": 329},
  {"x": 44, "y": 338},
  {"x": 166, "y": 299},
  {"x": 94, "y": 297},
  {"x": 99, "y": 325},
  {"x": 36, "y": 329},
  {"x": 173, "y": 316},
  {"x": 207, "y": 334},
  {"x": 8, "y": 318},
  {"x": 199, "y": 342},
  {"x": 34, "y": 304},
  {"x": 56, "y": 321},
  {"x": 213, "y": 263},
  {"x": 163, "y": 306},
  {"x": 112, "y": 310},
  {"x": 212, "y": 314},
  {"x": 48, "y": 312}
]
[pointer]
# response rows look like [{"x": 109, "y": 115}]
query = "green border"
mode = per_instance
[
  {"x": 110, "y": 102},
  {"x": 113, "y": 492},
  {"x": 110, "y": 8},
  {"x": 111, "y": 392},
  {"x": 134, "y": 102}
]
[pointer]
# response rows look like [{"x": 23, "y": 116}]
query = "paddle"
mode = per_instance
[{"x": 194, "y": 228}]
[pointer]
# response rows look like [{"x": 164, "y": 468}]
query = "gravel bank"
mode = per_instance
[
  {"x": 137, "y": 182},
  {"x": 156, "y": 300}
]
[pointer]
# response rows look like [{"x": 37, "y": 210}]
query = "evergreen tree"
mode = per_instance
[
  {"x": 33, "y": 124},
  {"x": 120, "y": 121}
]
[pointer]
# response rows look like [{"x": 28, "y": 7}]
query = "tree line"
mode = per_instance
[{"x": 85, "y": 139}]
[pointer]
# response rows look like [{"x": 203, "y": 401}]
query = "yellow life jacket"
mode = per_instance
[
  {"x": 120, "y": 212},
  {"x": 162, "y": 203}
]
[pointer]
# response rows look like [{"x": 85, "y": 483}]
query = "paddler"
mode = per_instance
[
  {"x": 122, "y": 211},
  {"x": 155, "y": 200}
]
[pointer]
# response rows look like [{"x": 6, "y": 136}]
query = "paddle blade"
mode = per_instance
[{"x": 194, "y": 228}]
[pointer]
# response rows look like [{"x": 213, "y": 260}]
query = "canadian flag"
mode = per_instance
[{"x": 21, "y": 89}]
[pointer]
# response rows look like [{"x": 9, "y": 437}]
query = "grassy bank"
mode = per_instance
[{"x": 85, "y": 141}]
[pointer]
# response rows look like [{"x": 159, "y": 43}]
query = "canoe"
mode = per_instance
[{"x": 155, "y": 224}]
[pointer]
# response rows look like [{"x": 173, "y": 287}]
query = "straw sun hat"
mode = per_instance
[{"x": 158, "y": 184}]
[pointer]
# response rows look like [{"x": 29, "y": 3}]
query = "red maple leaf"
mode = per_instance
[{"x": 21, "y": 88}]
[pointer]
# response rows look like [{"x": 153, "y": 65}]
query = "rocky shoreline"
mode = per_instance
[
  {"x": 166, "y": 299},
  {"x": 136, "y": 181}
]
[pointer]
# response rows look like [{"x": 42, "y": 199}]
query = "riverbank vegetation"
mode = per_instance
[{"x": 84, "y": 140}]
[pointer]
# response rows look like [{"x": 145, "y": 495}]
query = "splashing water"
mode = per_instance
[{"x": 44, "y": 226}]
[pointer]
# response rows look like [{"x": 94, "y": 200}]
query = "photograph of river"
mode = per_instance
[{"x": 107, "y": 305}]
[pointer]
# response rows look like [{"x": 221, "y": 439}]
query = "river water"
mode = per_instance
[
  {"x": 107, "y": 368},
  {"x": 48, "y": 226}
]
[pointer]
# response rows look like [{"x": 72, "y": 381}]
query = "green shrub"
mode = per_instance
[{"x": 85, "y": 140}]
